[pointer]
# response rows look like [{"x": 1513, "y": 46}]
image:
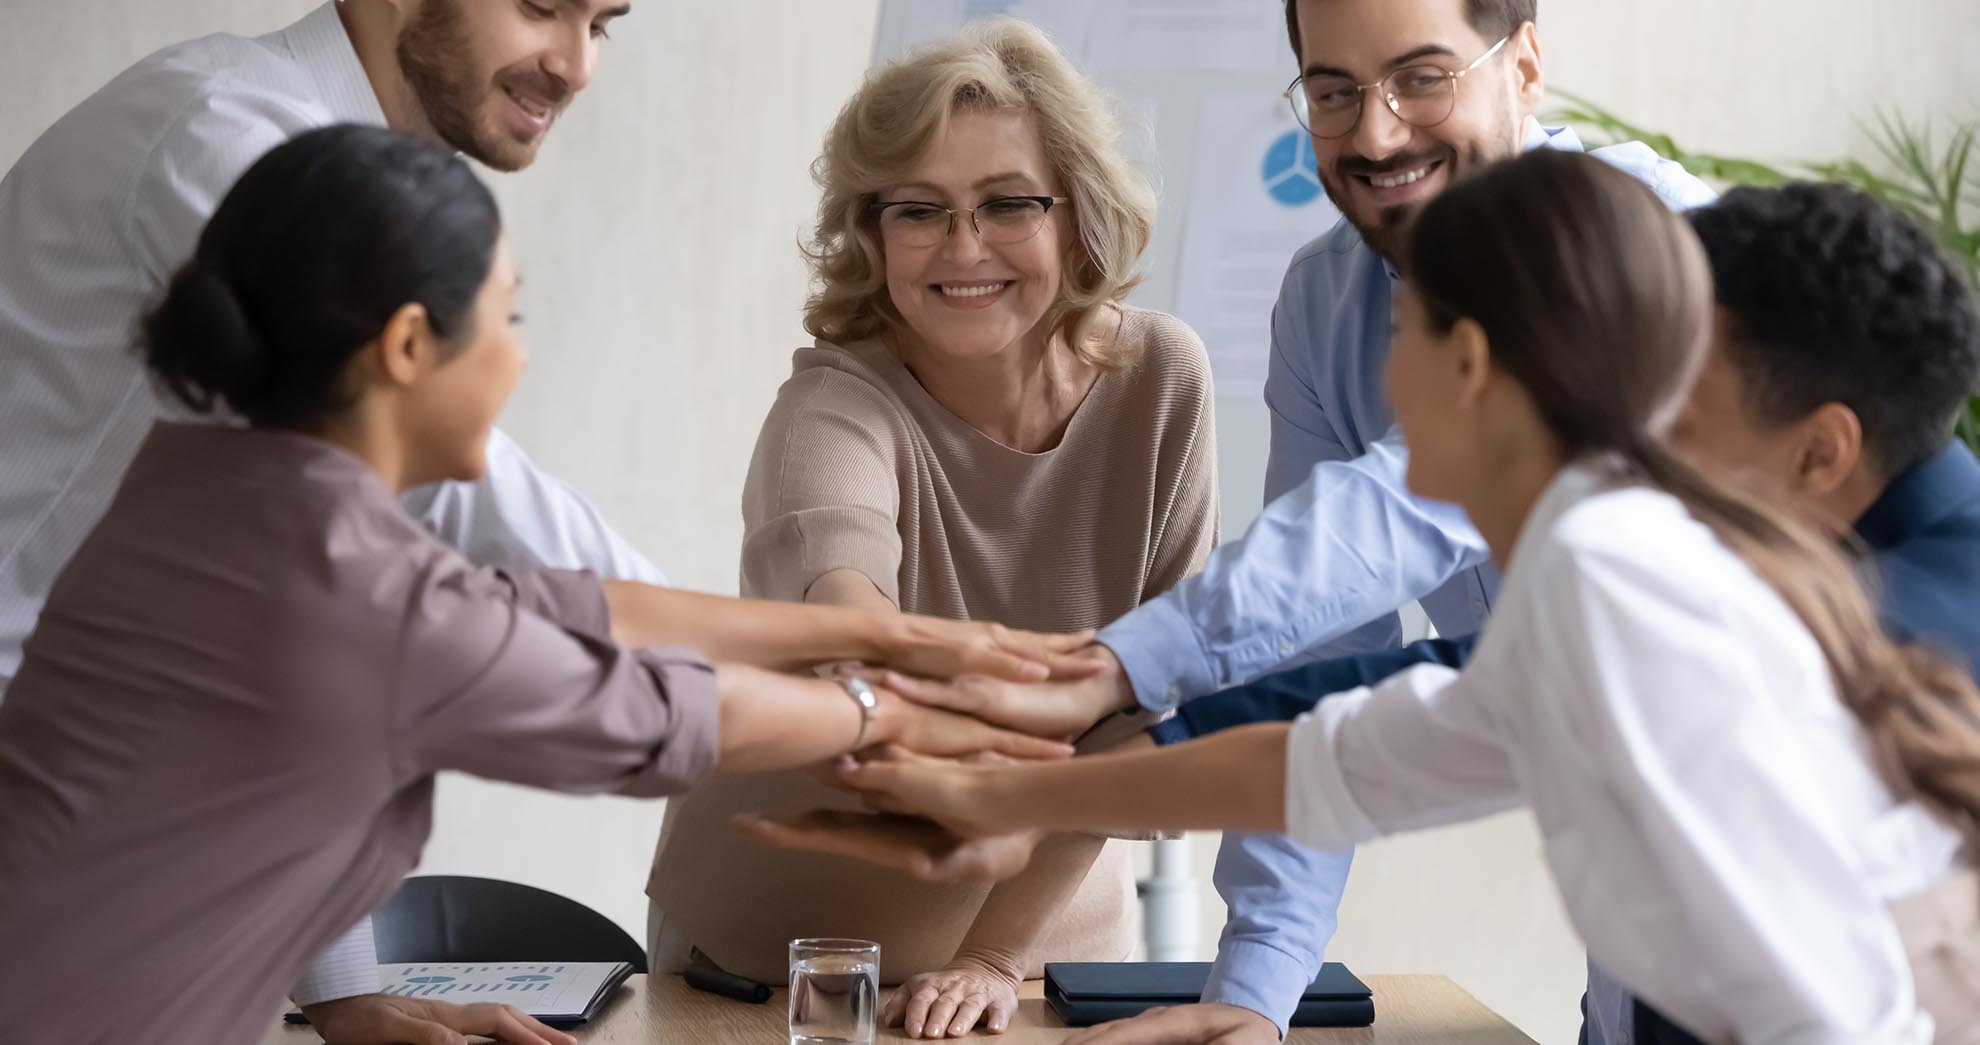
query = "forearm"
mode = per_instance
[
  {"x": 780, "y": 636},
  {"x": 1282, "y": 900},
  {"x": 773, "y": 721},
  {"x": 1016, "y": 914},
  {"x": 1232, "y": 781}
]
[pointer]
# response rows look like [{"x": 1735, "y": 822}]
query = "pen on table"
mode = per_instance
[{"x": 702, "y": 975}]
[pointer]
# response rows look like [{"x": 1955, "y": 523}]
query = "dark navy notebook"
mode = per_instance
[{"x": 1086, "y": 993}]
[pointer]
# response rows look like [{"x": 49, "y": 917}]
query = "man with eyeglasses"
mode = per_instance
[{"x": 1401, "y": 97}]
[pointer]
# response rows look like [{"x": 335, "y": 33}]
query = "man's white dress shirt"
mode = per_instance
[
  {"x": 1710, "y": 809},
  {"x": 94, "y": 219}
]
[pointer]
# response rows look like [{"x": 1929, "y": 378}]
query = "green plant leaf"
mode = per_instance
[{"x": 1941, "y": 190}]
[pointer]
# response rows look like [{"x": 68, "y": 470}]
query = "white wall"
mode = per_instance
[{"x": 658, "y": 234}]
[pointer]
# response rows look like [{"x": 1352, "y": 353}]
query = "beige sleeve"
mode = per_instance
[
  {"x": 823, "y": 491},
  {"x": 1186, "y": 534}
]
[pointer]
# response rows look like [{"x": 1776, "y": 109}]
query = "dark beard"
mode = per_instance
[
  {"x": 1385, "y": 234},
  {"x": 433, "y": 57}
]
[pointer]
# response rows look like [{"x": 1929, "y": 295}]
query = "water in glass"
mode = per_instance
[{"x": 834, "y": 996}]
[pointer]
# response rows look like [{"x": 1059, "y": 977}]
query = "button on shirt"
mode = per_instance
[
  {"x": 1710, "y": 809},
  {"x": 94, "y": 219},
  {"x": 1340, "y": 546}
]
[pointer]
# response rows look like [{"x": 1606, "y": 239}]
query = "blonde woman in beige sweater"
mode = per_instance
[{"x": 982, "y": 431}]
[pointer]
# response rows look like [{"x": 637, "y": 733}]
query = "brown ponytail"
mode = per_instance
[
  {"x": 1921, "y": 712},
  {"x": 1598, "y": 300}
]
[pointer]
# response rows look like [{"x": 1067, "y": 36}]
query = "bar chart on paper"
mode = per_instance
[{"x": 534, "y": 987}]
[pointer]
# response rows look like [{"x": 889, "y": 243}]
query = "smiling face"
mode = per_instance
[
  {"x": 961, "y": 296},
  {"x": 1381, "y": 171},
  {"x": 492, "y": 76}
]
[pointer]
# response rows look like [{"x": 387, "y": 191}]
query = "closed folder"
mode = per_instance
[{"x": 1086, "y": 993}]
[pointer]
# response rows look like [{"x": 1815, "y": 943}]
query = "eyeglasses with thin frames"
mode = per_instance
[
  {"x": 1422, "y": 95},
  {"x": 1000, "y": 220}
]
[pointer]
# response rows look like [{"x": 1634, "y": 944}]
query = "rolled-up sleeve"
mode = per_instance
[
  {"x": 1419, "y": 750},
  {"x": 491, "y": 687},
  {"x": 822, "y": 493}
]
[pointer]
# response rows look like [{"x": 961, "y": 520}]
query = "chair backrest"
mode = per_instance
[{"x": 451, "y": 918}]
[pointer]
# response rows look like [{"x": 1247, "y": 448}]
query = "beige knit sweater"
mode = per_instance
[{"x": 857, "y": 467}]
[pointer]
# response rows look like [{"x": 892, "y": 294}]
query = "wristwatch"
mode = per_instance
[{"x": 868, "y": 701}]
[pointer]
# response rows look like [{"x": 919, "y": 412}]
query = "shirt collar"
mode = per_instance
[
  {"x": 1943, "y": 484},
  {"x": 321, "y": 46},
  {"x": 1575, "y": 482},
  {"x": 1537, "y": 136}
]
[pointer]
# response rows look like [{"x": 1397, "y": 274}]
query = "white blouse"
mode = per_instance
[{"x": 1710, "y": 809}]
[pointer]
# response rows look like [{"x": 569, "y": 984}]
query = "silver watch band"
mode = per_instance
[{"x": 868, "y": 701}]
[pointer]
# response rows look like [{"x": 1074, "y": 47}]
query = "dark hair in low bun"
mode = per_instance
[
  {"x": 200, "y": 342},
  {"x": 306, "y": 260}
]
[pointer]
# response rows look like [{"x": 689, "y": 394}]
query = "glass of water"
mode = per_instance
[{"x": 835, "y": 991}]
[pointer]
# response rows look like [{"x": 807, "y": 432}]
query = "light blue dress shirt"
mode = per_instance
[{"x": 1339, "y": 548}]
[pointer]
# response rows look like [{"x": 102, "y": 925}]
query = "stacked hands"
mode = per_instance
[
  {"x": 929, "y": 785},
  {"x": 934, "y": 813},
  {"x": 964, "y": 709},
  {"x": 1005, "y": 695}
]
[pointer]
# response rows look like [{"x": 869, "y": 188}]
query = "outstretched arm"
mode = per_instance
[
  {"x": 1234, "y": 780},
  {"x": 790, "y": 636}
]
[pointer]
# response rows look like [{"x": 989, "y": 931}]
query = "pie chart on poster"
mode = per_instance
[{"x": 1291, "y": 171}]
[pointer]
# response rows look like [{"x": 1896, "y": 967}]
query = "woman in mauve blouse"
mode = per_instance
[{"x": 219, "y": 751}]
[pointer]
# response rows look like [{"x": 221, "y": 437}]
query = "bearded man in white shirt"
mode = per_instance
[{"x": 107, "y": 203}]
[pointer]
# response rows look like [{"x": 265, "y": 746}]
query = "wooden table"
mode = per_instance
[{"x": 663, "y": 1010}]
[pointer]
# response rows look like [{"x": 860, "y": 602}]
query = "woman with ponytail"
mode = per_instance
[
  {"x": 1738, "y": 776},
  {"x": 219, "y": 752}
]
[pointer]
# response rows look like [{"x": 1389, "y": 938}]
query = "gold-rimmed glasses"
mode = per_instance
[{"x": 1421, "y": 95}]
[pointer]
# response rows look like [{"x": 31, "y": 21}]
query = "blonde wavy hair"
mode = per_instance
[{"x": 997, "y": 65}]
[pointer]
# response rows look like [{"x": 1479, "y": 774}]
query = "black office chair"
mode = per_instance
[{"x": 451, "y": 918}]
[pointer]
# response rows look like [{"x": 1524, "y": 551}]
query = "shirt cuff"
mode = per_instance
[
  {"x": 347, "y": 969},
  {"x": 1171, "y": 730},
  {"x": 1158, "y": 649},
  {"x": 693, "y": 744},
  {"x": 1259, "y": 977},
  {"x": 1321, "y": 812}
]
